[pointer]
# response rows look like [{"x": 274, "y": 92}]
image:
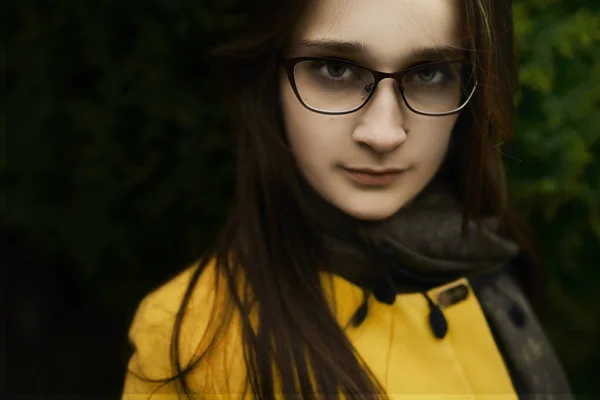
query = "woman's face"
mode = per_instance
[{"x": 340, "y": 155}]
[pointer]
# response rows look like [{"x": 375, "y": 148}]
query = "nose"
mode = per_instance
[{"x": 382, "y": 125}]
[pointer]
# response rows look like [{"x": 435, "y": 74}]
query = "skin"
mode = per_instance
[{"x": 384, "y": 133}]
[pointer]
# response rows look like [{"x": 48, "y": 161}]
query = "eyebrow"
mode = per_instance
[
  {"x": 336, "y": 46},
  {"x": 361, "y": 48},
  {"x": 440, "y": 52}
]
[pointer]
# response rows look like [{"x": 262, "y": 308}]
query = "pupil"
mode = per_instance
[
  {"x": 427, "y": 74},
  {"x": 336, "y": 70}
]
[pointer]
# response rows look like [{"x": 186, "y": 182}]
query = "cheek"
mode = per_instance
[
  {"x": 300, "y": 128},
  {"x": 432, "y": 138},
  {"x": 314, "y": 138}
]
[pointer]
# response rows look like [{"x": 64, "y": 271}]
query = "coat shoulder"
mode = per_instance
[{"x": 201, "y": 335}]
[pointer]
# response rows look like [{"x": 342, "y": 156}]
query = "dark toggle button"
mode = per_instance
[
  {"x": 517, "y": 315},
  {"x": 452, "y": 296},
  {"x": 384, "y": 291},
  {"x": 438, "y": 323},
  {"x": 360, "y": 314},
  {"x": 437, "y": 320}
]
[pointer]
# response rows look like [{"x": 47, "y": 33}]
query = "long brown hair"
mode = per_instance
[{"x": 269, "y": 242}]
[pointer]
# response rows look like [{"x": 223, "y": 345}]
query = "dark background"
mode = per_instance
[{"x": 117, "y": 171}]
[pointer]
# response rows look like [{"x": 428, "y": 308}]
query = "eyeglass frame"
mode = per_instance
[{"x": 289, "y": 65}]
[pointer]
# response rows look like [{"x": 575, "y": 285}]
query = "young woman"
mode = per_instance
[{"x": 370, "y": 250}]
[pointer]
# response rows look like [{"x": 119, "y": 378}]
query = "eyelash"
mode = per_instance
[{"x": 438, "y": 68}]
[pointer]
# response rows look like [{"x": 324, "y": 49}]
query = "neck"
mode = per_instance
[{"x": 422, "y": 245}]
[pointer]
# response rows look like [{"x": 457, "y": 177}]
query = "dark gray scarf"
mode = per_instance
[{"x": 421, "y": 247}]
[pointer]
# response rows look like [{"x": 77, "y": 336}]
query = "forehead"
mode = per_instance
[{"x": 391, "y": 29}]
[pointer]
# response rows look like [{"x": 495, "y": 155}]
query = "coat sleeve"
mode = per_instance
[
  {"x": 150, "y": 339},
  {"x": 532, "y": 362},
  {"x": 150, "y": 335}
]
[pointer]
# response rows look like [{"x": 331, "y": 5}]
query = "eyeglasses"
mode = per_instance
[{"x": 334, "y": 87}]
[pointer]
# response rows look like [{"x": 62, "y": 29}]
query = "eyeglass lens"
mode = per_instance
[{"x": 336, "y": 86}]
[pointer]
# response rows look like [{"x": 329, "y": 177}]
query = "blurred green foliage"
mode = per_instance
[
  {"x": 554, "y": 168},
  {"x": 118, "y": 160}
]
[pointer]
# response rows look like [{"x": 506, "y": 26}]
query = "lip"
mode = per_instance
[{"x": 374, "y": 176}]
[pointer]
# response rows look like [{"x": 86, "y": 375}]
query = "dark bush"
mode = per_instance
[{"x": 118, "y": 165}]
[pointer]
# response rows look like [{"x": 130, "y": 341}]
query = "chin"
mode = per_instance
[
  {"x": 369, "y": 212},
  {"x": 372, "y": 206}
]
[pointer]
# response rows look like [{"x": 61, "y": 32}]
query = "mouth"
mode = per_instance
[{"x": 373, "y": 176}]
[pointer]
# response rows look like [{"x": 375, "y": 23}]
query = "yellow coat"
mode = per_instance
[{"x": 395, "y": 341}]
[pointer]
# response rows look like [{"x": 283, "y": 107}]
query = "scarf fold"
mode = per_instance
[
  {"x": 423, "y": 242},
  {"x": 421, "y": 247}
]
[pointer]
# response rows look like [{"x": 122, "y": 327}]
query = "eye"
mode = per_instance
[
  {"x": 332, "y": 74},
  {"x": 336, "y": 70},
  {"x": 431, "y": 75},
  {"x": 427, "y": 74}
]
